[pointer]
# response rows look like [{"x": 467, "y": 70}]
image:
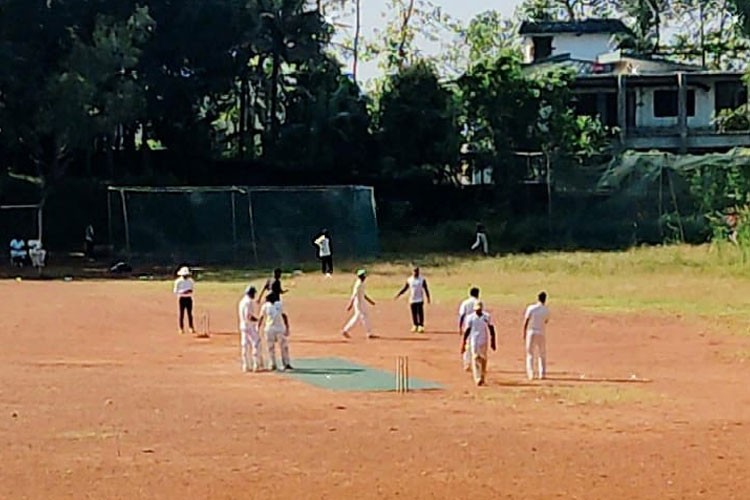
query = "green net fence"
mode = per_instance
[{"x": 258, "y": 225}]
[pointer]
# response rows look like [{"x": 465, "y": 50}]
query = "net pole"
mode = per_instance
[
  {"x": 109, "y": 217},
  {"x": 252, "y": 225},
  {"x": 40, "y": 222},
  {"x": 234, "y": 220},
  {"x": 126, "y": 225}
]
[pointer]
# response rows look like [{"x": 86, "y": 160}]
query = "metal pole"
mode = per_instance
[
  {"x": 125, "y": 221},
  {"x": 234, "y": 220},
  {"x": 40, "y": 222},
  {"x": 252, "y": 225},
  {"x": 549, "y": 195},
  {"x": 109, "y": 216}
]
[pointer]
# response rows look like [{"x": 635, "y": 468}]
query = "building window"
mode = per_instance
[
  {"x": 542, "y": 47},
  {"x": 667, "y": 103},
  {"x": 729, "y": 95}
]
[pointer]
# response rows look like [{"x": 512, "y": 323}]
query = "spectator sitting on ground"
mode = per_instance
[
  {"x": 18, "y": 254},
  {"x": 37, "y": 254}
]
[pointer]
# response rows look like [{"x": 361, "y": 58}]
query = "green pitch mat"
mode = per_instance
[{"x": 338, "y": 374}]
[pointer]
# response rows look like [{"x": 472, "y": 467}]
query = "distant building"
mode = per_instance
[
  {"x": 654, "y": 103},
  {"x": 586, "y": 39}
]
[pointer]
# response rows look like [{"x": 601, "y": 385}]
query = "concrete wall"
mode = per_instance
[
  {"x": 585, "y": 46},
  {"x": 704, "y": 109}
]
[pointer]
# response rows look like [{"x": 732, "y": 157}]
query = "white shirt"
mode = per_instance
[
  {"x": 182, "y": 286},
  {"x": 538, "y": 315},
  {"x": 466, "y": 309},
  {"x": 246, "y": 311},
  {"x": 274, "y": 319},
  {"x": 416, "y": 289},
  {"x": 480, "y": 329},
  {"x": 358, "y": 294},
  {"x": 324, "y": 246}
]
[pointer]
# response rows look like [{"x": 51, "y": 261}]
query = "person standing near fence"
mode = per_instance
[
  {"x": 249, "y": 336},
  {"x": 534, "y": 330},
  {"x": 323, "y": 242},
  {"x": 88, "y": 242},
  {"x": 184, "y": 288},
  {"x": 358, "y": 302},
  {"x": 481, "y": 242},
  {"x": 416, "y": 284}
]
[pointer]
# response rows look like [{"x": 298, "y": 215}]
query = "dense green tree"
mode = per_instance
[
  {"x": 327, "y": 125},
  {"x": 417, "y": 127},
  {"x": 70, "y": 81},
  {"x": 506, "y": 110},
  {"x": 569, "y": 10}
]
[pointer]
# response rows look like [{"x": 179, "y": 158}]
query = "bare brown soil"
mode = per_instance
[{"x": 100, "y": 398}]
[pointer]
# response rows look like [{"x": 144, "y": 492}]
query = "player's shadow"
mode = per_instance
[
  {"x": 598, "y": 380},
  {"x": 564, "y": 381},
  {"x": 225, "y": 334},
  {"x": 403, "y": 339},
  {"x": 321, "y": 341},
  {"x": 327, "y": 371}
]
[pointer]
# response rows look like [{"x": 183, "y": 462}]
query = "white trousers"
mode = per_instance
[
  {"x": 272, "y": 337},
  {"x": 466, "y": 361},
  {"x": 250, "y": 339},
  {"x": 536, "y": 347},
  {"x": 360, "y": 315},
  {"x": 481, "y": 243},
  {"x": 479, "y": 362}
]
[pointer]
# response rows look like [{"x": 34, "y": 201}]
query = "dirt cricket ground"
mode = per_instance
[{"x": 100, "y": 398}]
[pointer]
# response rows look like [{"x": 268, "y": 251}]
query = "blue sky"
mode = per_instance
[{"x": 464, "y": 10}]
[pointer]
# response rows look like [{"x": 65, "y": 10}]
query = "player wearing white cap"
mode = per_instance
[
  {"x": 534, "y": 328},
  {"x": 358, "y": 302},
  {"x": 184, "y": 288},
  {"x": 416, "y": 284},
  {"x": 275, "y": 325},
  {"x": 249, "y": 336},
  {"x": 465, "y": 310},
  {"x": 479, "y": 332}
]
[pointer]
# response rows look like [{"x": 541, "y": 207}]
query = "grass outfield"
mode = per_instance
[{"x": 705, "y": 281}]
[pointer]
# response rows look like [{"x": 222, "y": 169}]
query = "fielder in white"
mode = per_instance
[
  {"x": 479, "y": 332},
  {"x": 534, "y": 326},
  {"x": 275, "y": 325},
  {"x": 481, "y": 240},
  {"x": 358, "y": 302},
  {"x": 465, "y": 310},
  {"x": 249, "y": 336},
  {"x": 323, "y": 242}
]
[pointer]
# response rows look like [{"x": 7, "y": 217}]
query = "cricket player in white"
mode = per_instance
[
  {"x": 479, "y": 332},
  {"x": 534, "y": 326},
  {"x": 465, "y": 310},
  {"x": 481, "y": 241},
  {"x": 275, "y": 325},
  {"x": 249, "y": 336},
  {"x": 358, "y": 302},
  {"x": 184, "y": 289},
  {"x": 416, "y": 284},
  {"x": 323, "y": 242}
]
